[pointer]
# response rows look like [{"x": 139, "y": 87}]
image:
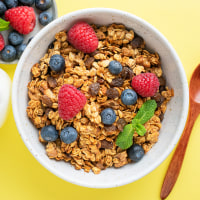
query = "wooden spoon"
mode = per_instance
[{"x": 194, "y": 110}]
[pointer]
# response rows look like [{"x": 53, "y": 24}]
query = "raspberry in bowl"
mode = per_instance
[{"x": 90, "y": 134}]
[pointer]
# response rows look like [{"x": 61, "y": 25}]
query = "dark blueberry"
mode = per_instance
[
  {"x": 2, "y": 8},
  {"x": 108, "y": 116},
  {"x": 129, "y": 97},
  {"x": 43, "y": 4},
  {"x": 8, "y": 54},
  {"x": 15, "y": 38},
  {"x": 57, "y": 63},
  {"x": 20, "y": 49},
  {"x": 68, "y": 135},
  {"x": 115, "y": 67},
  {"x": 45, "y": 18},
  {"x": 49, "y": 133},
  {"x": 27, "y": 2},
  {"x": 11, "y": 3},
  {"x": 29, "y": 40},
  {"x": 135, "y": 152}
]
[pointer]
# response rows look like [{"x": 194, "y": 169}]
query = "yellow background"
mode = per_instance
[{"x": 23, "y": 178}]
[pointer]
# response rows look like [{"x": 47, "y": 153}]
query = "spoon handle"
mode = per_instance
[{"x": 177, "y": 159}]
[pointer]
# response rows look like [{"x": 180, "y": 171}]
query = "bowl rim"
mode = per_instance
[{"x": 181, "y": 122}]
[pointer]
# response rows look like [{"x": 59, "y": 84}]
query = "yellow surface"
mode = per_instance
[{"x": 23, "y": 178}]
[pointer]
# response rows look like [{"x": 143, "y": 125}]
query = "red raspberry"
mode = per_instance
[
  {"x": 70, "y": 101},
  {"x": 83, "y": 37},
  {"x": 21, "y": 18},
  {"x": 2, "y": 42},
  {"x": 146, "y": 84}
]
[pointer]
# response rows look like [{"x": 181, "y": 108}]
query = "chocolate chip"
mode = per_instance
[
  {"x": 117, "y": 82},
  {"x": 89, "y": 61},
  {"x": 46, "y": 100},
  {"x": 106, "y": 144},
  {"x": 100, "y": 165},
  {"x": 121, "y": 123},
  {"x": 159, "y": 99},
  {"x": 94, "y": 53},
  {"x": 127, "y": 73},
  {"x": 94, "y": 89},
  {"x": 110, "y": 128},
  {"x": 161, "y": 116},
  {"x": 161, "y": 88},
  {"x": 47, "y": 110},
  {"x": 137, "y": 42},
  {"x": 51, "y": 81},
  {"x": 162, "y": 81},
  {"x": 112, "y": 93},
  {"x": 100, "y": 80}
]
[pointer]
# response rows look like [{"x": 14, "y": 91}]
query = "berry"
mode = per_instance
[
  {"x": 11, "y": 3},
  {"x": 27, "y": 2},
  {"x": 70, "y": 101},
  {"x": 83, "y": 37},
  {"x": 68, "y": 135},
  {"x": 21, "y": 19},
  {"x": 43, "y": 4},
  {"x": 2, "y": 8},
  {"x": 45, "y": 18},
  {"x": 145, "y": 84},
  {"x": 49, "y": 133},
  {"x": 108, "y": 116},
  {"x": 15, "y": 38},
  {"x": 57, "y": 63},
  {"x": 129, "y": 97},
  {"x": 135, "y": 152},
  {"x": 2, "y": 42},
  {"x": 115, "y": 67},
  {"x": 8, "y": 54},
  {"x": 20, "y": 49}
]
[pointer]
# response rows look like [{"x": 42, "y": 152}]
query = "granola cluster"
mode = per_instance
[{"x": 95, "y": 147}]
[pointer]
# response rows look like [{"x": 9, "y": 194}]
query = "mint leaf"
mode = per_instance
[
  {"x": 125, "y": 138},
  {"x": 4, "y": 25},
  {"x": 140, "y": 129},
  {"x": 145, "y": 113}
]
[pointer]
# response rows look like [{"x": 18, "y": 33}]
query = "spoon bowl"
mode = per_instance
[{"x": 195, "y": 86}]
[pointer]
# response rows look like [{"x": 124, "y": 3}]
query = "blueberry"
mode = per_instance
[
  {"x": 57, "y": 63},
  {"x": 108, "y": 116},
  {"x": 49, "y": 133},
  {"x": 45, "y": 18},
  {"x": 135, "y": 152},
  {"x": 2, "y": 8},
  {"x": 27, "y": 2},
  {"x": 8, "y": 54},
  {"x": 20, "y": 49},
  {"x": 68, "y": 135},
  {"x": 11, "y": 3},
  {"x": 15, "y": 38},
  {"x": 115, "y": 67},
  {"x": 129, "y": 97},
  {"x": 43, "y": 4}
]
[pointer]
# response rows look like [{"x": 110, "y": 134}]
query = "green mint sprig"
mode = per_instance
[
  {"x": 4, "y": 25},
  {"x": 146, "y": 112}
]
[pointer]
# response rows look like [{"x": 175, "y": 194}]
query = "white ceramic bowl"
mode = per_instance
[{"x": 173, "y": 122}]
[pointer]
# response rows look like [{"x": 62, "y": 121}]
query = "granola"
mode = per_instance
[{"x": 95, "y": 148}]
